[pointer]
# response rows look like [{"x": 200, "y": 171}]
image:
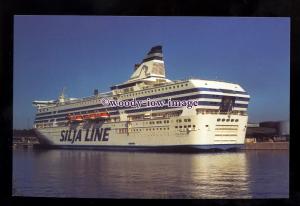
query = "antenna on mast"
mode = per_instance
[{"x": 62, "y": 96}]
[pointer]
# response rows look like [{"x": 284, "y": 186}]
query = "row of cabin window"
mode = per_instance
[
  {"x": 125, "y": 130},
  {"x": 185, "y": 120},
  {"x": 185, "y": 126},
  {"x": 150, "y": 129},
  {"x": 227, "y": 120},
  {"x": 153, "y": 90},
  {"x": 159, "y": 122}
]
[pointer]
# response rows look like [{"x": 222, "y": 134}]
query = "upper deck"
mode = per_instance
[{"x": 147, "y": 81}]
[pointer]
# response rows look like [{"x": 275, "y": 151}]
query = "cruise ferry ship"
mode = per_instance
[{"x": 217, "y": 118}]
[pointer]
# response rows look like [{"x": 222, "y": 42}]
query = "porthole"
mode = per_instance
[
  {"x": 236, "y": 120},
  {"x": 232, "y": 120},
  {"x": 227, "y": 120},
  {"x": 223, "y": 120},
  {"x": 218, "y": 119}
]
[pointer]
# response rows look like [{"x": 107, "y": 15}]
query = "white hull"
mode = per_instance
[{"x": 207, "y": 134}]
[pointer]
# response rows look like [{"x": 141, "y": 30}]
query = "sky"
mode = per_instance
[{"x": 83, "y": 53}]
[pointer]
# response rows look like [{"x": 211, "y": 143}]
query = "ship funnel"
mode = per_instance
[
  {"x": 151, "y": 66},
  {"x": 154, "y": 53}
]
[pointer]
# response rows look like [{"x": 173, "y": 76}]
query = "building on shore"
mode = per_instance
[
  {"x": 270, "y": 131},
  {"x": 24, "y": 137}
]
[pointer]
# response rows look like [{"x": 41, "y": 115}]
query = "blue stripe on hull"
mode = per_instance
[{"x": 170, "y": 148}]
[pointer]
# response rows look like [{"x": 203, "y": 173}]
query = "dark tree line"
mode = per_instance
[{"x": 24, "y": 133}]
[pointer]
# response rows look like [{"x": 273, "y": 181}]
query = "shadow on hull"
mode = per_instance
[{"x": 160, "y": 149}]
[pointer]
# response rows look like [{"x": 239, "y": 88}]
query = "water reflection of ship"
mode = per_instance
[
  {"x": 221, "y": 175},
  {"x": 209, "y": 175}
]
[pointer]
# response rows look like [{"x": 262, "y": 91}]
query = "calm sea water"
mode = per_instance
[{"x": 103, "y": 174}]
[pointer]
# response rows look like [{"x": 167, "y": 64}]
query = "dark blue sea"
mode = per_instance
[{"x": 105, "y": 174}]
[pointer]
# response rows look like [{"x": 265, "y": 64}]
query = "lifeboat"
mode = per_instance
[
  {"x": 92, "y": 116},
  {"x": 103, "y": 115},
  {"x": 78, "y": 118},
  {"x": 86, "y": 116},
  {"x": 75, "y": 118}
]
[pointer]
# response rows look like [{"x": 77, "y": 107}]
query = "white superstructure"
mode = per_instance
[{"x": 218, "y": 120}]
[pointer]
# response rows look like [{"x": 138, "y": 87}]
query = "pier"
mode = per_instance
[{"x": 267, "y": 146}]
